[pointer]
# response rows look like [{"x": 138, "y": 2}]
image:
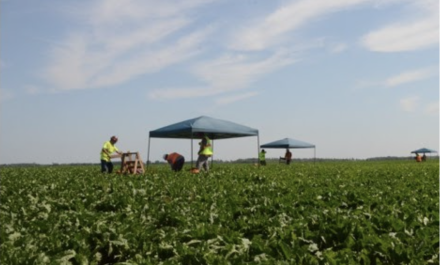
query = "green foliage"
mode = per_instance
[{"x": 324, "y": 213}]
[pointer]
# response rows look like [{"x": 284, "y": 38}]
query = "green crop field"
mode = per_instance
[{"x": 325, "y": 213}]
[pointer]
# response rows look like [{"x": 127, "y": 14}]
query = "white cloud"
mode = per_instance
[
  {"x": 122, "y": 40},
  {"x": 410, "y": 76},
  {"x": 231, "y": 72},
  {"x": 271, "y": 30},
  {"x": 181, "y": 92},
  {"x": 399, "y": 79},
  {"x": 152, "y": 61},
  {"x": 116, "y": 12},
  {"x": 235, "y": 98},
  {"x": 6, "y": 95},
  {"x": 403, "y": 37},
  {"x": 338, "y": 48},
  {"x": 365, "y": 84},
  {"x": 409, "y": 104},
  {"x": 432, "y": 108},
  {"x": 429, "y": 6},
  {"x": 125, "y": 39},
  {"x": 415, "y": 32},
  {"x": 228, "y": 73},
  {"x": 32, "y": 90}
]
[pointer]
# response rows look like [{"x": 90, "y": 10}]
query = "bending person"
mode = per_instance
[{"x": 175, "y": 160}]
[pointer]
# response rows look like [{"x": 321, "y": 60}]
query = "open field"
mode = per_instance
[{"x": 324, "y": 213}]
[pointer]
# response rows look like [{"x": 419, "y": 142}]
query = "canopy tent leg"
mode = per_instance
[
  {"x": 192, "y": 156},
  {"x": 314, "y": 155},
  {"x": 258, "y": 148},
  {"x": 212, "y": 157},
  {"x": 148, "y": 154}
]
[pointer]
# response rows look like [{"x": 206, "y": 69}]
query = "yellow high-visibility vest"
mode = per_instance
[
  {"x": 207, "y": 151},
  {"x": 110, "y": 148}
]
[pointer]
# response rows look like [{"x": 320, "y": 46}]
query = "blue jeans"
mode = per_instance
[{"x": 106, "y": 166}]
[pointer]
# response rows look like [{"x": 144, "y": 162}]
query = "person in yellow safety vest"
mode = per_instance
[
  {"x": 205, "y": 152},
  {"x": 107, "y": 150},
  {"x": 262, "y": 157}
]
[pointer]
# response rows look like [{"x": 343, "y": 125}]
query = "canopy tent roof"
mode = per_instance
[
  {"x": 287, "y": 143},
  {"x": 214, "y": 128},
  {"x": 423, "y": 150}
]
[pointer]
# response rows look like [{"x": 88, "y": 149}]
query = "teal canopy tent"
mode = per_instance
[
  {"x": 215, "y": 129},
  {"x": 289, "y": 143},
  {"x": 423, "y": 151}
]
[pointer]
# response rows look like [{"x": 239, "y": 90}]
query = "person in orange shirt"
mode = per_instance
[
  {"x": 288, "y": 156},
  {"x": 418, "y": 158},
  {"x": 175, "y": 160}
]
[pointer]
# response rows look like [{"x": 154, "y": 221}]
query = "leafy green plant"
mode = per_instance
[{"x": 324, "y": 213}]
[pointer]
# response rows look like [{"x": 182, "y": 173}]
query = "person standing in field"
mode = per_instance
[
  {"x": 418, "y": 158},
  {"x": 205, "y": 152},
  {"x": 106, "y": 152},
  {"x": 175, "y": 160},
  {"x": 288, "y": 156},
  {"x": 262, "y": 158}
]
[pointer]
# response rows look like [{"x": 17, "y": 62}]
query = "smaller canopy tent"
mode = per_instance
[
  {"x": 213, "y": 128},
  {"x": 423, "y": 151},
  {"x": 289, "y": 143}
]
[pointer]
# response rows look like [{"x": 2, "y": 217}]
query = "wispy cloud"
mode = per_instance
[
  {"x": 228, "y": 73},
  {"x": 409, "y": 104},
  {"x": 6, "y": 95},
  {"x": 414, "y": 33},
  {"x": 235, "y": 98},
  {"x": 409, "y": 77},
  {"x": 120, "y": 42},
  {"x": 32, "y": 90},
  {"x": 412, "y": 104},
  {"x": 400, "y": 79},
  {"x": 406, "y": 37},
  {"x": 338, "y": 48},
  {"x": 118, "y": 12},
  {"x": 432, "y": 108},
  {"x": 152, "y": 61},
  {"x": 181, "y": 92},
  {"x": 272, "y": 29},
  {"x": 237, "y": 71}
]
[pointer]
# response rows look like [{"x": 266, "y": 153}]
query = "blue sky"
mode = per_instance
[{"x": 357, "y": 78}]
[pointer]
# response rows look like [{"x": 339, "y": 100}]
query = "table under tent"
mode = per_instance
[{"x": 215, "y": 129}]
